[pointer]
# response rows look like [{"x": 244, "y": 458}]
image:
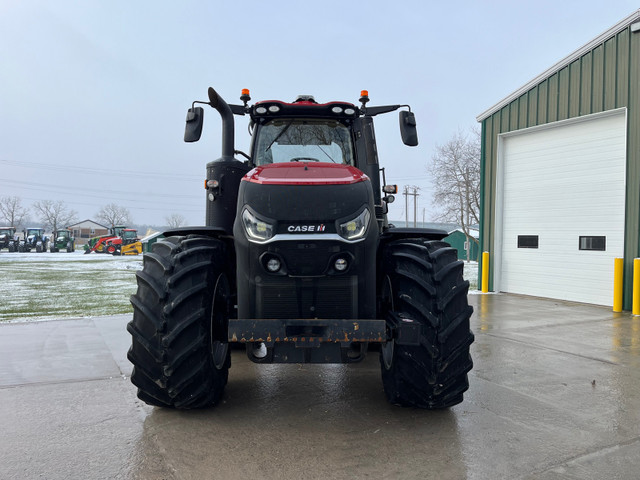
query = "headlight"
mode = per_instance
[
  {"x": 256, "y": 229},
  {"x": 356, "y": 227}
]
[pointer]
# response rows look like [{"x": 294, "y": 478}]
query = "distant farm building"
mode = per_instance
[
  {"x": 86, "y": 229},
  {"x": 467, "y": 247}
]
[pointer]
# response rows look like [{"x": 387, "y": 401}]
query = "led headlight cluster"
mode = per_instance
[
  {"x": 356, "y": 227},
  {"x": 256, "y": 229}
]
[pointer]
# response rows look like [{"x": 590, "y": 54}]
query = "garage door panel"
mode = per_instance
[{"x": 560, "y": 183}]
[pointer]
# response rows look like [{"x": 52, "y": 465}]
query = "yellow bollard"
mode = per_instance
[
  {"x": 485, "y": 272},
  {"x": 618, "y": 278},
  {"x": 636, "y": 287}
]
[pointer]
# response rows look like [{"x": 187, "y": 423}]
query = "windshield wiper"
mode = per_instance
[
  {"x": 279, "y": 135},
  {"x": 330, "y": 157}
]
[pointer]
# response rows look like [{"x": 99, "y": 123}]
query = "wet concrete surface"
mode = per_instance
[{"x": 554, "y": 394}]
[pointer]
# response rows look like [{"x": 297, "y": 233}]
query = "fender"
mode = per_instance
[{"x": 425, "y": 233}]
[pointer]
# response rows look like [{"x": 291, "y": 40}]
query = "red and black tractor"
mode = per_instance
[
  {"x": 98, "y": 244},
  {"x": 298, "y": 262},
  {"x": 127, "y": 236}
]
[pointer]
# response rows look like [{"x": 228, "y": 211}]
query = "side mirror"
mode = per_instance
[
  {"x": 408, "y": 128},
  {"x": 193, "y": 128}
]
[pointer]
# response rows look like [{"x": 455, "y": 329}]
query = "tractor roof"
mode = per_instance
[{"x": 304, "y": 106}]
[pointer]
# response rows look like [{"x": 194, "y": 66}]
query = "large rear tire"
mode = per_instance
[
  {"x": 180, "y": 320},
  {"x": 422, "y": 281}
]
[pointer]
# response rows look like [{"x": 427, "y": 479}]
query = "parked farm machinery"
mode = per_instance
[
  {"x": 62, "y": 240},
  {"x": 97, "y": 244},
  {"x": 8, "y": 238},
  {"x": 34, "y": 239},
  {"x": 127, "y": 243}
]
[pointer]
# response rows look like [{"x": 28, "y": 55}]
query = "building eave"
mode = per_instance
[{"x": 617, "y": 28}]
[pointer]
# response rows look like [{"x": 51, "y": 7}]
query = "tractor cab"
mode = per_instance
[
  {"x": 33, "y": 232},
  {"x": 117, "y": 230},
  {"x": 297, "y": 132},
  {"x": 129, "y": 236},
  {"x": 62, "y": 235}
]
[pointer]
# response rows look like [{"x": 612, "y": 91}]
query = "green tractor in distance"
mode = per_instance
[
  {"x": 62, "y": 240},
  {"x": 34, "y": 239},
  {"x": 8, "y": 238},
  {"x": 98, "y": 245}
]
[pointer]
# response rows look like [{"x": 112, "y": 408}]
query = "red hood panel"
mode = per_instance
[{"x": 305, "y": 173}]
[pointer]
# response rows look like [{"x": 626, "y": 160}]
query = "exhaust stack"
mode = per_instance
[{"x": 228, "y": 125}]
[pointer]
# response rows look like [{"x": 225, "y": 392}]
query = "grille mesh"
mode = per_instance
[{"x": 327, "y": 297}]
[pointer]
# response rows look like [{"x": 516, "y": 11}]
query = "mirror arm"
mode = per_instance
[
  {"x": 239, "y": 109},
  {"x": 240, "y": 152}
]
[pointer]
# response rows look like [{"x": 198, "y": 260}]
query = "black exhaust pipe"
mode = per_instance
[
  {"x": 228, "y": 125},
  {"x": 225, "y": 173}
]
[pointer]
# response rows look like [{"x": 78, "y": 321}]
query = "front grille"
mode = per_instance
[
  {"x": 327, "y": 297},
  {"x": 307, "y": 258}
]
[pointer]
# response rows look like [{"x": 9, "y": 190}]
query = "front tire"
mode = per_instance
[
  {"x": 179, "y": 328},
  {"x": 422, "y": 281}
]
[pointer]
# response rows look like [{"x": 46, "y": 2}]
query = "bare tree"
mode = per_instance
[
  {"x": 54, "y": 214},
  {"x": 12, "y": 212},
  {"x": 175, "y": 220},
  {"x": 113, "y": 215},
  {"x": 455, "y": 169}
]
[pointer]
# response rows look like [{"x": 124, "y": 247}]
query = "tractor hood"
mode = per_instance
[
  {"x": 302, "y": 192},
  {"x": 305, "y": 173}
]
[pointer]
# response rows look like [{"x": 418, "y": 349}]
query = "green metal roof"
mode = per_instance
[{"x": 623, "y": 24}]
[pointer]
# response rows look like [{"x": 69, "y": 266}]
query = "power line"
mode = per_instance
[
  {"x": 75, "y": 190},
  {"x": 100, "y": 171}
]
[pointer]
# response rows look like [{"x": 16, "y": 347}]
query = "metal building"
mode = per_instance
[{"x": 561, "y": 174}]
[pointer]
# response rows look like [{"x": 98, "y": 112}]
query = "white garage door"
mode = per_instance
[{"x": 560, "y": 208}]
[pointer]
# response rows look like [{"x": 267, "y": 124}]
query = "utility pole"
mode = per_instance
[
  {"x": 415, "y": 195},
  {"x": 406, "y": 206}
]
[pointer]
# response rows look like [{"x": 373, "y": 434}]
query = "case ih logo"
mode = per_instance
[{"x": 306, "y": 228}]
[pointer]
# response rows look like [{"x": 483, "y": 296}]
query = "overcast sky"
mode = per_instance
[{"x": 93, "y": 95}]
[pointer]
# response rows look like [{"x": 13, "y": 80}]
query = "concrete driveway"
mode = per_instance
[{"x": 555, "y": 394}]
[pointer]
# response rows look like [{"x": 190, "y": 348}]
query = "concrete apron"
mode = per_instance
[{"x": 555, "y": 393}]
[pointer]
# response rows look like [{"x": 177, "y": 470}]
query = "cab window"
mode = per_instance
[{"x": 299, "y": 140}]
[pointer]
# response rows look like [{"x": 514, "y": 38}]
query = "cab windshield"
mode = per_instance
[{"x": 299, "y": 140}]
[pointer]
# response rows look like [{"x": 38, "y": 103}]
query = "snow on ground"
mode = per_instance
[
  {"x": 43, "y": 286},
  {"x": 471, "y": 274}
]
